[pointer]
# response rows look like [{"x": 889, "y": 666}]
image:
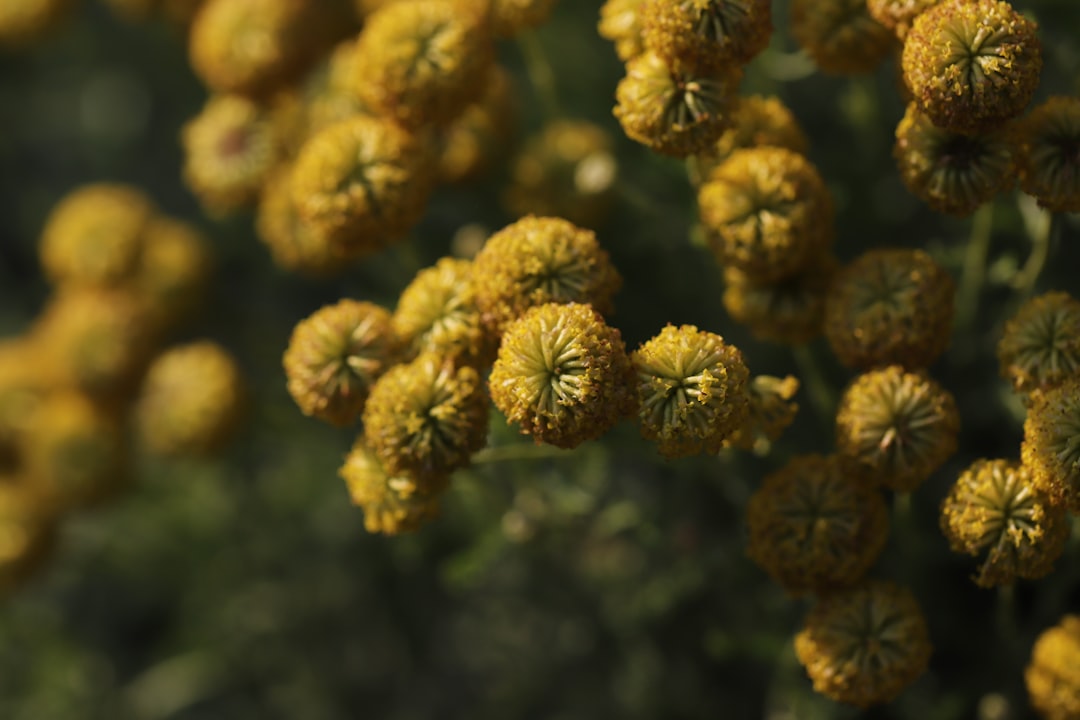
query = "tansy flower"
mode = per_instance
[
  {"x": 94, "y": 235},
  {"x": 426, "y": 417},
  {"x": 421, "y": 62},
  {"x": 995, "y": 507},
  {"x": 391, "y": 504},
  {"x": 770, "y": 410},
  {"x": 470, "y": 144},
  {"x": 24, "y": 21},
  {"x": 362, "y": 183},
  {"x": 620, "y": 22},
  {"x": 971, "y": 65},
  {"x": 335, "y": 356},
  {"x": 510, "y": 17},
  {"x": 899, "y": 427},
  {"x": 567, "y": 170},
  {"x": 562, "y": 375},
  {"x": 1053, "y": 674},
  {"x": 327, "y": 96},
  {"x": 757, "y": 121},
  {"x": 23, "y": 389},
  {"x": 897, "y": 15},
  {"x": 950, "y": 172},
  {"x": 191, "y": 400},
  {"x": 1051, "y": 448},
  {"x": 767, "y": 212},
  {"x": 840, "y": 35},
  {"x": 1049, "y": 157},
  {"x": 692, "y": 389},
  {"x": 816, "y": 525},
  {"x": 172, "y": 272},
  {"x": 539, "y": 260},
  {"x": 890, "y": 306},
  {"x": 864, "y": 646},
  {"x": 1040, "y": 346},
  {"x": 294, "y": 245},
  {"x": 707, "y": 34},
  {"x": 788, "y": 310},
  {"x": 675, "y": 110}
]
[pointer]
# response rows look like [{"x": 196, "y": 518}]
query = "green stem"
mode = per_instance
[
  {"x": 821, "y": 393},
  {"x": 541, "y": 76},
  {"x": 521, "y": 451},
  {"x": 1024, "y": 282},
  {"x": 974, "y": 273}
]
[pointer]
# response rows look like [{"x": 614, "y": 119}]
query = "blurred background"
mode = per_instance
[{"x": 602, "y": 582}]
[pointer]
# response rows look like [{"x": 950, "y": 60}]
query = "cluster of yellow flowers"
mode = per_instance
[{"x": 95, "y": 361}]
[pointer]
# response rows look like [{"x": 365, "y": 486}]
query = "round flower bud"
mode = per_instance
[
  {"x": 422, "y": 62},
  {"x": 173, "y": 271},
  {"x": 706, "y": 34},
  {"x": 75, "y": 451},
  {"x": 815, "y": 525},
  {"x": 510, "y": 17},
  {"x": 327, "y": 97},
  {"x": 362, "y": 183},
  {"x": 471, "y": 144},
  {"x": 539, "y": 260},
  {"x": 675, "y": 110},
  {"x": 1053, "y": 674},
  {"x": 191, "y": 400},
  {"x": 972, "y": 64},
  {"x": 757, "y": 122},
  {"x": 767, "y": 212},
  {"x": 899, "y": 427},
  {"x": 890, "y": 306},
  {"x": 692, "y": 390},
  {"x": 335, "y": 356},
  {"x": 253, "y": 47},
  {"x": 1040, "y": 347},
  {"x": 27, "y": 535},
  {"x": 995, "y": 507},
  {"x": 426, "y": 417},
  {"x": 294, "y": 245},
  {"x": 437, "y": 312},
  {"x": 771, "y": 410},
  {"x": 1051, "y": 448},
  {"x": 620, "y": 22},
  {"x": 1049, "y": 156},
  {"x": 94, "y": 235},
  {"x": 787, "y": 311},
  {"x": 229, "y": 149},
  {"x": 567, "y": 170},
  {"x": 23, "y": 388},
  {"x": 25, "y": 21},
  {"x": 897, "y": 15},
  {"x": 840, "y": 35},
  {"x": 96, "y": 341},
  {"x": 562, "y": 374},
  {"x": 392, "y": 504},
  {"x": 864, "y": 646},
  {"x": 950, "y": 172}
]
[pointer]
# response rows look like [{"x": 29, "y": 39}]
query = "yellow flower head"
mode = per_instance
[
  {"x": 327, "y": 96},
  {"x": 692, "y": 388},
  {"x": 437, "y": 312},
  {"x": 567, "y": 170},
  {"x": 897, "y": 15},
  {"x": 890, "y": 306},
  {"x": 707, "y": 34},
  {"x": 1049, "y": 156},
  {"x": 864, "y": 646},
  {"x": 94, "y": 235},
  {"x": 421, "y": 62},
  {"x": 972, "y": 64},
  {"x": 539, "y": 260},
  {"x": 840, "y": 35},
  {"x": 950, "y": 172},
  {"x": 294, "y": 244},
  {"x": 758, "y": 121},
  {"x": 362, "y": 182},
  {"x": 789, "y": 310},
  {"x": 426, "y": 417},
  {"x": 1053, "y": 674},
  {"x": 229, "y": 149},
  {"x": 620, "y": 22},
  {"x": 27, "y": 535},
  {"x": 770, "y": 411},
  {"x": 767, "y": 212},
  {"x": 392, "y": 504},
  {"x": 562, "y": 374},
  {"x": 23, "y": 388},
  {"x": 191, "y": 401},
  {"x": 173, "y": 271},
  {"x": 1040, "y": 347},
  {"x": 1051, "y": 448},
  {"x": 25, "y": 21},
  {"x": 335, "y": 356},
  {"x": 675, "y": 110},
  {"x": 995, "y": 507},
  {"x": 816, "y": 525},
  {"x": 899, "y": 427},
  {"x": 472, "y": 143}
]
